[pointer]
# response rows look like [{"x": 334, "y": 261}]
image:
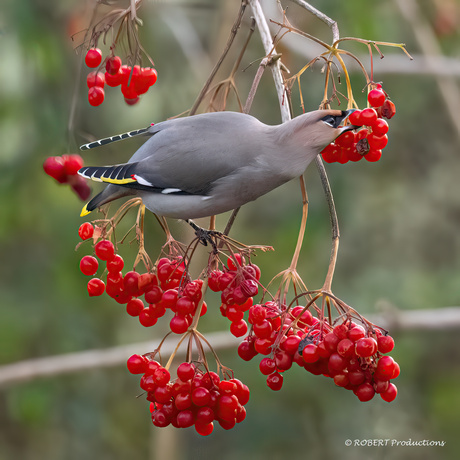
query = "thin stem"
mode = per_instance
[{"x": 230, "y": 40}]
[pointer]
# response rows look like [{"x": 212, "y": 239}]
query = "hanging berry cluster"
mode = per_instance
[
  {"x": 64, "y": 169},
  {"x": 368, "y": 142},
  {"x": 350, "y": 350},
  {"x": 195, "y": 398},
  {"x": 133, "y": 80}
]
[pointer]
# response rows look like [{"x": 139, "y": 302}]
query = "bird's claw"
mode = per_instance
[{"x": 205, "y": 236}]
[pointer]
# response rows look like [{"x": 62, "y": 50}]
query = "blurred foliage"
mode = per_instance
[{"x": 399, "y": 241}]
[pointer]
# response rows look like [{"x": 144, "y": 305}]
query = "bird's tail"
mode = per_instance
[{"x": 118, "y": 137}]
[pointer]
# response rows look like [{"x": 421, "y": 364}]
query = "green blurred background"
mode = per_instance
[{"x": 399, "y": 221}]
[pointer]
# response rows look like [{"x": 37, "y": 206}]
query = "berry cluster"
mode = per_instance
[
  {"x": 64, "y": 169},
  {"x": 348, "y": 354},
  {"x": 369, "y": 141},
  {"x": 194, "y": 398},
  {"x": 238, "y": 284},
  {"x": 169, "y": 288},
  {"x": 134, "y": 81}
]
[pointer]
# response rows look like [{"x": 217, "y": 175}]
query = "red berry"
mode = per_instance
[
  {"x": 346, "y": 139},
  {"x": 186, "y": 371},
  {"x": 380, "y": 127},
  {"x": 330, "y": 341},
  {"x": 55, "y": 167},
  {"x": 95, "y": 287},
  {"x": 388, "y": 109},
  {"x": 246, "y": 350},
  {"x": 72, "y": 163},
  {"x": 161, "y": 376},
  {"x": 178, "y": 324},
  {"x": 204, "y": 429},
  {"x": 137, "y": 364},
  {"x": 95, "y": 79},
  {"x": 131, "y": 283},
  {"x": 373, "y": 155},
  {"x": 132, "y": 101},
  {"x": 368, "y": 117},
  {"x": 356, "y": 333},
  {"x": 385, "y": 343},
  {"x": 336, "y": 363},
  {"x": 377, "y": 142},
  {"x": 239, "y": 328},
  {"x": 376, "y": 97},
  {"x": 95, "y": 96},
  {"x": 385, "y": 368},
  {"x": 113, "y": 64},
  {"x": 355, "y": 118},
  {"x": 366, "y": 347},
  {"x": 89, "y": 265},
  {"x": 330, "y": 153},
  {"x": 310, "y": 353},
  {"x": 93, "y": 57},
  {"x": 390, "y": 394},
  {"x": 134, "y": 307},
  {"x": 346, "y": 348},
  {"x": 154, "y": 295},
  {"x": 267, "y": 366},
  {"x": 116, "y": 264},
  {"x": 113, "y": 80},
  {"x": 365, "y": 392},
  {"x": 275, "y": 381},
  {"x": 105, "y": 250},
  {"x": 86, "y": 231},
  {"x": 146, "y": 318}
]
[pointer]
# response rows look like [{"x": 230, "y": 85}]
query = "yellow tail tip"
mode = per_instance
[{"x": 84, "y": 211}]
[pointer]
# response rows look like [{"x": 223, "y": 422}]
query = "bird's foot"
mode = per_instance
[{"x": 205, "y": 236}]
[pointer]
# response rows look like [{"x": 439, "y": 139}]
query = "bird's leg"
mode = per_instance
[{"x": 203, "y": 235}]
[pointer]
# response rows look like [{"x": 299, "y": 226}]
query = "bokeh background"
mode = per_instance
[{"x": 399, "y": 221}]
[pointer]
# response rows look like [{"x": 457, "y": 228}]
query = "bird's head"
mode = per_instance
[{"x": 319, "y": 128}]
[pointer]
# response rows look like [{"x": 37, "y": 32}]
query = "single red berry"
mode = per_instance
[
  {"x": 380, "y": 127},
  {"x": 204, "y": 429},
  {"x": 89, "y": 265},
  {"x": 355, "y": 333},
  {"x": 365, "y": 392},
  {"x": 385, "y": 343},
  {"x": 178, "y": 324},
  {"x": 131, "y": 283},
  {"x": 246, "y": 350},
  {"x": 336, "y": 363},
  {"x": 113, "y": 64},
  {"x": 116, "y": 264},
  {"x": 186, "y": 371},
  {"x": 346, "y": 348},
  {"x": 390, "y": 394},
  {"x": 86, "y": 231},
  {"x": 355, "y": 118},
  {"x": 275, "y": 381},
  {"x": 137, "y": 364},
  {"x": 368, "y": 117},
  {"x": 385, "y": 368},
  {"x": 366, "y": 347},
  {"x": 330, "y": 341},
  {"x": 105, "y": 250},
  {"x": 352, "y": 154},
  {"x": 134, "y": 307},
  {"x": 55, "y": 167},
  {"x": 95, "y": 287},
  {"x": 377, "y": 142},
  {"x": 72, "y": 163},
  {"x": 373, "y": 155},
  {"x": 283, "y": 360},
  {"x": 95, "y": 79},
  {"x": 347, "y": 139},
  {"x": 267, "y": 366},
  {"x": 146, "y": 318},
  {"x": 388, "y": 109},
  {"x": 113, "y": 80},
  {"x": 239, "y": 328},
  {"x": 376, "y": 97},
  {"x": 132, "y": 101},
  {"x": 93, "y": 57},
  {"x": 330, "y": 153},
  {"x": 96, "y": 96},
  {"x": 161, "y": 376},
  {"x": 341, "y": 380},
  {"x": 205, "y": 414},
  {"x": 310, "y": 353},
  {"x": 154, "y": 295}
]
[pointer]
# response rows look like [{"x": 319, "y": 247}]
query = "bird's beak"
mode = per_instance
[{"x": 346, "y": 114}]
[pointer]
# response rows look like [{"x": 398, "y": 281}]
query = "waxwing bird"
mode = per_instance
[{"x": 211, "y": 163}]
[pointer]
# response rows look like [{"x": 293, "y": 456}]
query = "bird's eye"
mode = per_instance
[{"x": 329, "y": 120}]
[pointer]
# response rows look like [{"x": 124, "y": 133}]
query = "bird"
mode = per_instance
[{"x": 211, "y": 163}]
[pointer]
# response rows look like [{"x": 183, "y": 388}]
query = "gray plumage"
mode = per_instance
[{"x": 211, "y": 163}]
